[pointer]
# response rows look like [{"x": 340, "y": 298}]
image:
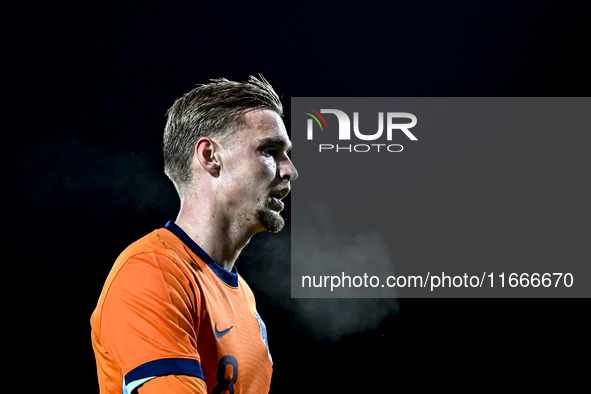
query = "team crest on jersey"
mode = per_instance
[{"x": 263, "y": 329}]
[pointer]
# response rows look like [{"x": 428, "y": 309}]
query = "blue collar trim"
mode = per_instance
[{"x": 230, "y": 278}]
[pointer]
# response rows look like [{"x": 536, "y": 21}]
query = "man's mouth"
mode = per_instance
[
  {"x": 278, "y": 195},
  {"x": 277, "y": 203}
]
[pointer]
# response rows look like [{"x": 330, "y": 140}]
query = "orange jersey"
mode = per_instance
[{"x": 168, "y": 309}]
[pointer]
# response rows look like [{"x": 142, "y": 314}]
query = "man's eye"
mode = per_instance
[{"x": 270, "y": 151}]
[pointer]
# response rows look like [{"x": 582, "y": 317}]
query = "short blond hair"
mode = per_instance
[{"x": 210, "y": 110}]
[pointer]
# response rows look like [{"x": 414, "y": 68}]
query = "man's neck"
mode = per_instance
[{"x": 219, "y": 237}]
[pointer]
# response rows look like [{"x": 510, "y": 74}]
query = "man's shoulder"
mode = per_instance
[
  {"x": 160, "y": 248},
  {"x": 157, "y": 251},
  {"x": 160, "y": 241},
  {"x": 149, "y": 243}
]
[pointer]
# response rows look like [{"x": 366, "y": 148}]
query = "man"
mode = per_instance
[{"x": 174, "y": 316}]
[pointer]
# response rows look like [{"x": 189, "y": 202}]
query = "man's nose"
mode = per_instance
[{"x": 288, "y": 170}]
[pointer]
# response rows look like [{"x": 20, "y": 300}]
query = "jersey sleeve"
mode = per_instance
[
  {"x": 150, "y": 321},
  {"x": 173, "y": 384}
]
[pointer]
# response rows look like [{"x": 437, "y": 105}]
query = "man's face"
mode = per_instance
[{"x": 256, "y": 171}]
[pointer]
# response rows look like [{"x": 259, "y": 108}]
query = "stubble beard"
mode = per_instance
[{"x": 271, "y": 220}]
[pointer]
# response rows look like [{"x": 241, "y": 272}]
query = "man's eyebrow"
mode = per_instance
[{"x": 278, "y": 141}]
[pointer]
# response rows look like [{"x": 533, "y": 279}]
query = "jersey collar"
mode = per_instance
[{"x": 230, "y": 278}]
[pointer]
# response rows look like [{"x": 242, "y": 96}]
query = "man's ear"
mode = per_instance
[{"x": 206, "y": 152}]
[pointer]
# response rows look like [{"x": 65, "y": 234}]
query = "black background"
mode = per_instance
[{"x": 85, "y": 89}]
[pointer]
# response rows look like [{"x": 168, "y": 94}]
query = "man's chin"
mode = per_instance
[{"x": 270, "y": 220}]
